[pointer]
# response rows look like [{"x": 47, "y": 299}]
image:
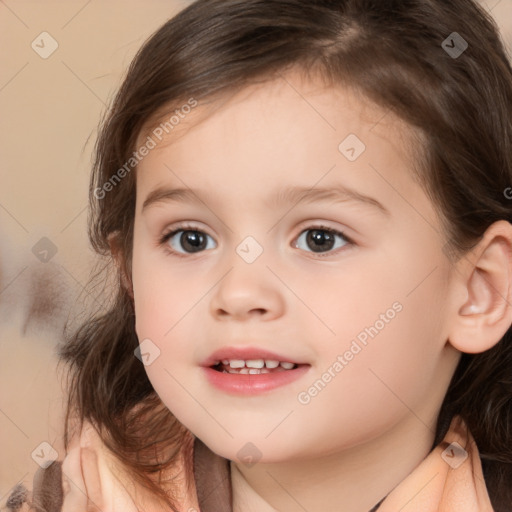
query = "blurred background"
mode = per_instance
[{"x": 60, "y": 64}]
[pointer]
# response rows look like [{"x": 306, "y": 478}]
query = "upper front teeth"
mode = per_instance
[{"x": 257, "y": 363}]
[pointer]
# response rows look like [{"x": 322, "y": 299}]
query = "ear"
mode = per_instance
[
  {"x": 485, "y": 281},
  {"x": 114, "y": 241}
]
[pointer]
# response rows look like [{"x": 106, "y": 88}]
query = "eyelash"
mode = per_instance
[{"x": 189, "y": 227}]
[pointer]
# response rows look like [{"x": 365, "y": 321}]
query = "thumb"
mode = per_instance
[
  {"x": 81, "y": 482},
  {"x": 104, "y": 487},
  {"x": 92, "y": 480}
]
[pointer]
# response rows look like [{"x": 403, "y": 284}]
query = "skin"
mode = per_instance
[{"x": 374, "y": 422}]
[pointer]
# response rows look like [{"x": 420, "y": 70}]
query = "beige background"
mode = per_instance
[{"x": 49, "y": 112}]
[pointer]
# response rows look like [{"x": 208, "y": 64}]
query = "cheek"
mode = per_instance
[
  {"x": 168, "y": 302},
  {"x": 164, "y": 293},
  {"x": 374, "y": 384},
  {"x": 384, "y": 360}
]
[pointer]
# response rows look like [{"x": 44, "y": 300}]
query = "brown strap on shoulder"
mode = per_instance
[
  {"x": 212, "y": 474},
  {"x": 48, "y": 495}
]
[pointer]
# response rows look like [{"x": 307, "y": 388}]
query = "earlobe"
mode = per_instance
[{"x": 486, "y": 315}]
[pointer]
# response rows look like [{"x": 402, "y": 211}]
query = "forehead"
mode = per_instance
[
  {"x": 288, "y": 130},
  {"x": 293, "y": 89}
]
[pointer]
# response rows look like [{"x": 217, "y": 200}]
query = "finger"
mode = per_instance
[
  {"x": 75, "y": 497},
  {"x": 92, "y": 480}
]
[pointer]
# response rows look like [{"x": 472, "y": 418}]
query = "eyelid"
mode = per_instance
[
  {"x": 182, "y": 226},
  {"x": 322, "y": 224}
]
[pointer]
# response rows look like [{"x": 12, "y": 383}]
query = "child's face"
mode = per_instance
[{"x": 390, "y": 290}]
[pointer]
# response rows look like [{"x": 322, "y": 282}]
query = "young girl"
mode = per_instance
[{"x": 309, "y": 207}]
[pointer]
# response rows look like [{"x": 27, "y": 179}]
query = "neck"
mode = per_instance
[{"x": 352, "y": 480}]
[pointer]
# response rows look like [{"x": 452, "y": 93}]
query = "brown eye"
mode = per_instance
[
  {"x": 192, "y": 241},
  {"x": 321, "y": 240},
  {"x": 188, "y": 241}
]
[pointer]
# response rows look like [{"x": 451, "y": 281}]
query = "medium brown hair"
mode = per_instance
[{"x": 392, "y": 52}]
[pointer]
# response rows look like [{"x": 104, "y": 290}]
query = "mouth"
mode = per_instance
[{"x": 250, "y": 371}]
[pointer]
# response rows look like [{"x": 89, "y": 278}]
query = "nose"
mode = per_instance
[{"x": 247, "y": 291}]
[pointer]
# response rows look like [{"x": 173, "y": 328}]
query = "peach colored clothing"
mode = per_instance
[
  {"x": 449, "y": 479},
  {"x": 437, "y": 486}
]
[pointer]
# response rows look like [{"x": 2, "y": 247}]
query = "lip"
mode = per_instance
[
  {"x": 246, "y": 353},
  {"x": 250, "y": 384},
  {"x": 253, "y": 384}
]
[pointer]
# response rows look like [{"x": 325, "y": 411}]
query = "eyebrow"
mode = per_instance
[{"x": 292, "y": 195}]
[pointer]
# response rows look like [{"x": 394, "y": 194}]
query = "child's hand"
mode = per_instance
[
  {"x": 89, "y": 478},
  {"x": 93, "y": 481}
]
